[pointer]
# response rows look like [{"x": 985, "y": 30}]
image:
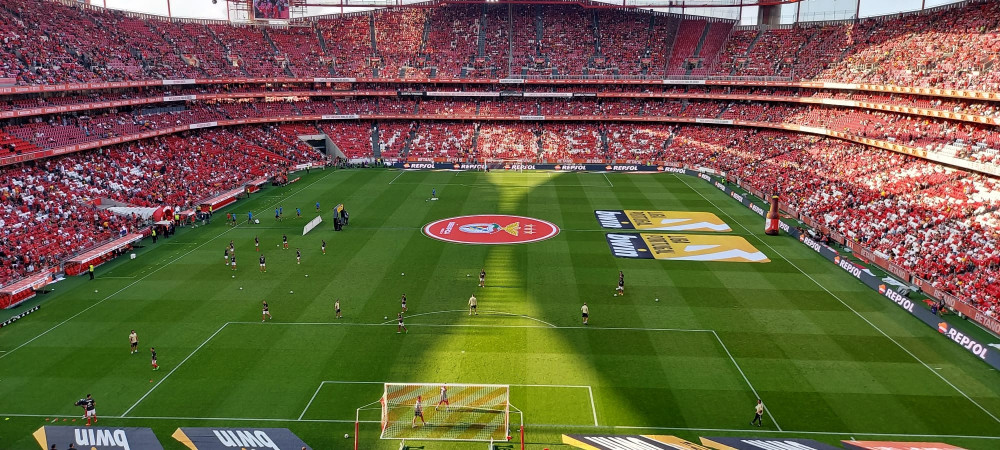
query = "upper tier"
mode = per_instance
[{"x": 52, "y": 43}]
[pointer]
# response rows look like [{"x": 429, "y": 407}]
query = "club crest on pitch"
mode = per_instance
[{"x": 491, "y": 229}]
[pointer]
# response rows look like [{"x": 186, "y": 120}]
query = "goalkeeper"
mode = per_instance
[{"x": 418, "y": 411}]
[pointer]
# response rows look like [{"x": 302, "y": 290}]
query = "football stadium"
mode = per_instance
[{"x": 501, "y": 224}]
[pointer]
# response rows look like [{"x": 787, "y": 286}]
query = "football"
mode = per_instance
[
  {"x": 345, "y": 436},
  {"x": 385, "y": 318}
]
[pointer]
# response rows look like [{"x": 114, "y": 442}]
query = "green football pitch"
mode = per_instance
[{"x": 831, "y": 359}]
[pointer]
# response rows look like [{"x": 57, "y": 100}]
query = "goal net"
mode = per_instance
[{"x": 466, "y": 412}]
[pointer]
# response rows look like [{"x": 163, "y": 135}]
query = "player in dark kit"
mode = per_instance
[
  {"x": 403, "y": 300},
  {"x": 263, "y": 266},
  {"x": 621, "y": 283},
  {"x": 284, "y": 241},
  {"x": 266, "y": 312},
  {"x": 323, "y": 247},
  {"x": 155, "y": 365},
  {"x": 298, "y": 256},
  {"x": 482, "y": 277},
  {"x": 89, "y": 408},
  {"x": 256, "y": 243},
  {"x": 400, "y": 327}
]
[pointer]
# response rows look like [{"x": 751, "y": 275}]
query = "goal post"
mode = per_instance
[{"x": 463, "y": 412}]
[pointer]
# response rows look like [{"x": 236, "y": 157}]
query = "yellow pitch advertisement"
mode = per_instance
[
  {"x": 634, "y": 219},
  {"x": 684, "y": 247}
]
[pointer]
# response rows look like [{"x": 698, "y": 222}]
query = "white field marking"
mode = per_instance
[
  {"x": 390, "y": 321},
  {"x": 593, "y": 406},
  {"x": 541, "y": 425},
  {"x": 609, "y": 180},
  {"x": 485, "y": 311},
  {"x": 178, "y": 366},
  {"x": 397, "y": 176},
  {"x": 311, "y": 400},
  {"x": 883, "y": 333},
  {"x": 755, "y": 394},
  {"x": 458, "y": 325},
  {"x": 161, "y": 266},
  {"x": 116, "y": 278},
  {"x": 502, "y": 313}
]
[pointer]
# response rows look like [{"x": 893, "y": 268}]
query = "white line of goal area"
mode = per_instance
[
  {"x": 390, "y": 324},
  {"x": 842, "y": 302},
  {"x": 590, "y": 392}
]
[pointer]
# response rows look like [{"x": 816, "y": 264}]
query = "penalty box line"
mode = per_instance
[
  {"x": 590, "y": 392},
  {"x": 547, "y": 326}
]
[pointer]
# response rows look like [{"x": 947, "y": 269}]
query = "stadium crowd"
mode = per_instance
[
  {"x": 941, "y": 224},
  {"x": 962, "y": 139},
  {"x": 942, "y": 48},
  {"x": 51, "y": 209}
]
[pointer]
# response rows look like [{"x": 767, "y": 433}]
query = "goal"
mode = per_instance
[{"x": 473, "y": 412}]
